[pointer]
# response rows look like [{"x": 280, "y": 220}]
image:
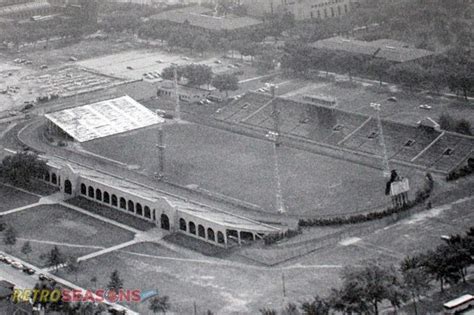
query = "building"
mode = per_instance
[
  {"x": 169, "y": 212},
  {"x": 186, "y": 93},
  {"x": 205, "y": 19},
  {"x": 13, "y": 9},
  {"x": 463, "y": 305},
  {"x": 390, "y": 50},
  {"x": 300, "y": 9}
]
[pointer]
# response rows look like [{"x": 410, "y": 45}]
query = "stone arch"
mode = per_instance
[
  {"x": 147, "y": 212},
  {"x": 83, "y": 189},
  {"x": 54, "y": 178},
  {"x": 131, "y": 206},
  {"x": 201, "y": 231},
  {"x": 47, "y": 177},
  {"x": 165, "y": 222},
  {"x": 123, "y": 203},
  {"x": 139, "y": 209},
  {"x": 182, "y": 224},
  {"x": 220, "y": 237},
  {"x": 106, "y": 197},
  {"x": 68, "y": 187},
  {"x": 192, "y": 228},
  {"x": 98, "y": 194},
  {"x": 114, "y": 201},
  {"x": 91, "y": 192},
  {"x": 210, "y": 235}
]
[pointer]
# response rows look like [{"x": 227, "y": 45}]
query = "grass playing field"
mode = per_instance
[
  {"x": 12, "y": 198},
  {"x": 242, "y": 167}
]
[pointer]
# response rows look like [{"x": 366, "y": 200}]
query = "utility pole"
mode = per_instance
[
  {"x": 386, "y": 168},
  {"x": 177, "y": 108},
  {"x": 276, "y": 143},
  {"x": 161, "y": 153}
]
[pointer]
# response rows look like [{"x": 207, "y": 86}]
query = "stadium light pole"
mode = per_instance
[
  {"x": 276, "y": 143},
  {"x": 177, "y": 107},
  {"x": 161, "y": 152},
  {"x": 386, "y": 168}
]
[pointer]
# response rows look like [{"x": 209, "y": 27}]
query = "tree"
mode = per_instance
[
  {"x": 378, "y": 67},
  {"x": 365, "y": 287},
  {"x": 20, "y": 168},
  {"x": 55, "y": 258},
  {"x": 201, "y": 44},
  {"x": 159, "y": 304},
  {"x": 416, "y": 281},
  {"x": 411, "y": 75},
  {"x": 441, "y": 266},
  {"x": 73, "y": 266},
  {"x": 115, "y": 282},
  {"x": 197, "y": 75},
  {"x": 318, "y": 306},
  {"x": 26, "y": 249},
  {"x": 464, "y": 126},
  {"x": 267, "y": 311},
  {"x": 9, "y": 238},
  {"x": 226, "y": 82}
]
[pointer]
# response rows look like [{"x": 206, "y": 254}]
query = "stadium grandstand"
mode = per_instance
[{"x": 423, "y": 145}]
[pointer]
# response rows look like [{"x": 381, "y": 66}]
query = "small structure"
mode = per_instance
[
  {"x": 102, "y": 119},
  {"x": 186, "y": 94},
  {"x": 462, "y": 305},
  {"x": 398, "y": 188}
]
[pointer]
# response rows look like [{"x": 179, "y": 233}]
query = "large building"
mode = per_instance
[
  {"x": 390, "y": 50},
  {"x": 204, "y": 18},
  {"x": 300, "y": 9}
]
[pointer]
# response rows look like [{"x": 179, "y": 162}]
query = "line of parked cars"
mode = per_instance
[{"x": 17, "y": 265}]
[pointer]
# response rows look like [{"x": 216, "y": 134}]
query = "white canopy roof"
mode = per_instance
[{"x": 104, "y": 118}]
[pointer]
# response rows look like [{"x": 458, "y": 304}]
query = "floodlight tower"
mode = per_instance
[
  {"x": 275, "y": 136},
  {"x": 177, "y": 107},
  {"x": 386, "y": 168},
  {"x": 161, "y": 152}
]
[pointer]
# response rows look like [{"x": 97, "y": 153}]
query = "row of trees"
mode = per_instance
[
  {"x": 365, "y": 288},
  {"x": 21, "y": 168},
  {"x": 197, "y": 75},
  {"x": 452, "y": 69}
]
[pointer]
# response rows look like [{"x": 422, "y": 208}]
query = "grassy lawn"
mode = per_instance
[
  {"x": 111, "y": 213},
  {"x": 242, "y": 167},
  {"x": 39, "y": 249},
  {"x": 60, "y": 224},
  {"x": 222, "y": 288},
  {"x": 12, "y": 198}
]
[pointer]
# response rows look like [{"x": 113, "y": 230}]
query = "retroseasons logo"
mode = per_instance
[{"x": 95, "y": 296}]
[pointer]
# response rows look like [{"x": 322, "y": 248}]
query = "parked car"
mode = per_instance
[
  {"x": 425, "y": 106},
  {"x": 28, "y": 270},
  {"x": 42, "y": 67},
  {"x": 214, "y": 98},
  {"x": 27, "y": 107},
  {"x": 8, "y": 260},
  {"x": 17, "y": 265},
  {"x": 392, "y": 99},
  {"x": 129, "y": 68},
  {"x": 72, "y": 58},
  {"x": 2, "y": 258}
]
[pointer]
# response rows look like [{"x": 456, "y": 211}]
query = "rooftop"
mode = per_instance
[
  {"x": 204, "y": 18},
  {"x": 104, "y": 118},
  {"x": 388, "y": 49},
  {"x": 12, "y": 9}
]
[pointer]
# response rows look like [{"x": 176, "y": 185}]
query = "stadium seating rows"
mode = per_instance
[{"x": 331, "y": 126}]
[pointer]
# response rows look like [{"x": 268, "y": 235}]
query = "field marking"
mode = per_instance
[
  {"x": 59, "y": 243},
  {"x": 350, "y": 241},
  {"x": 428, "y": 146},
  {"x": 356, "y": 130}
]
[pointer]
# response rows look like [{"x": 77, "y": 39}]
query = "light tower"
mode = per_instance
[
  {"x": 275, "y": 136},
  {"x": 161, "y": 153},
  {"x": 386, "y": 168},
  {"x": 177, "y": 108}
]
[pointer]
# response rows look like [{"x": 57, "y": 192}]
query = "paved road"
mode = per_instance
[{"x": 18, "y": 277}]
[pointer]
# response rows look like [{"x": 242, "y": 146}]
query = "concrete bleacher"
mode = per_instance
[{"x": 351, "y": 131}]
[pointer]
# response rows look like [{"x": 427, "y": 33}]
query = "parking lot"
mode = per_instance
[{"x": 136, "y": 64}]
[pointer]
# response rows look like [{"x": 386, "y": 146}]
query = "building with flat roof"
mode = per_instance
[
  {"x": 300, "y": 9},
  {"x": 204, "y": 18},
  {"x": 390, "y": 50}
]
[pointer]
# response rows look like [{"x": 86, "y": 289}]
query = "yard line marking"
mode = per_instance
[
  {"x": 428, "y": 146},
  {"x": 355, "y": 130},
  {"x": 59, "y": 243}
]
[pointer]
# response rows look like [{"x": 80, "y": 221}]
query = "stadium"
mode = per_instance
[{"x": 328, "y": 163}]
